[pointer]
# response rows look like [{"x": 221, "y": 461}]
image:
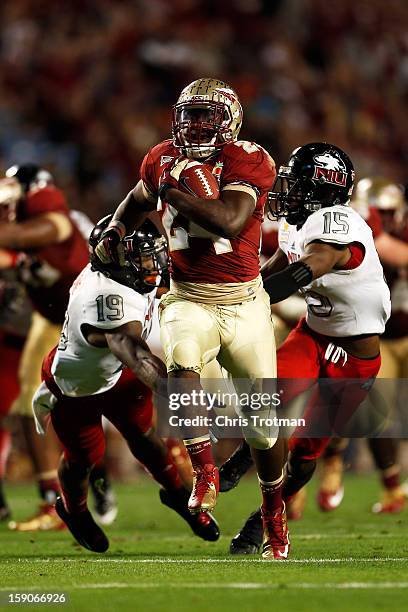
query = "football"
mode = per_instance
[{"x": 197, "y": 179}]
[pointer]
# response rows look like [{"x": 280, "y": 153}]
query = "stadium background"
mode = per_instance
[{"x": 86, "y": 86}]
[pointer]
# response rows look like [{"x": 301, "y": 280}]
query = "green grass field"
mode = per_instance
[{"x": 349, "y": 559}]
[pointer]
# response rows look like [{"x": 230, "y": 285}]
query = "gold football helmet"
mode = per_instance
[
  {"x": 207, "y": 116},
  {"x": 381, "y": 193}
]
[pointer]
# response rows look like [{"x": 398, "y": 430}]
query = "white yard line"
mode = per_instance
[
  {"x": 213, "y": 585},
  {"x": 242, "y": 559}
]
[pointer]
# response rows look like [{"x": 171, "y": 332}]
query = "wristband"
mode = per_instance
[{"x": 281, "y": 285}]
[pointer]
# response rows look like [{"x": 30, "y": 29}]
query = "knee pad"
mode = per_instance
[
  {"x": 186, "y": 355},
  {"x": 261, "y": 443}
]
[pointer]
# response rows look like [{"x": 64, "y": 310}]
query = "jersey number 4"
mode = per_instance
[{"x": 178, "y": 236}]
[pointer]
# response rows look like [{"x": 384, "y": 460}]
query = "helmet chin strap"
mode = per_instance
[{"x": 200, "y": 151}]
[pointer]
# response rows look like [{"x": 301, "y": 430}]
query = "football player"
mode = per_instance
[
  {"x": 216, "y": 306},
  {"x": 38, "y": 236},
  {"x": 15, "y": 313},
  {"x": 327, "y": 251},
  {"x": 381, "y": 203},
  {"x": 107, "y": 323}
]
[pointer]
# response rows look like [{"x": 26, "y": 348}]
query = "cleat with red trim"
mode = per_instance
[
  {"x": 46, "y": 519},
  {"x": 295, "y": 505},
  {"x": 392, "y": 502},
  {"x": 83, "y": 528},
  {"x": 204, "y": 494},
  {"x": 202, "y": 523},
  {"x": 331, "y": 490},
  {"x": 276, "y": 544}
]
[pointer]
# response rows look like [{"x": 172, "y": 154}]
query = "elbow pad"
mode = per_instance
[{"x": 281, "y": 285}]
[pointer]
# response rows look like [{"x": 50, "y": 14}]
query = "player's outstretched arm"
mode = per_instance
[
  {"x": 129, "y": 347},
  {"x": 132, "y": 211},
  {"x": 41, "y": 231},
  {"x": 129, "y": 215},
  {"x": 319, "y": 259}
]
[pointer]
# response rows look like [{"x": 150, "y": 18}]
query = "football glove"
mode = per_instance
[
  {"x": 171, "y": 174},
  {"x": 110, "y": 248}
]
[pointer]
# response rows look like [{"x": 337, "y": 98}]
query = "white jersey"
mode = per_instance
[
  {"x": 82, "y": 369},
  {"x": 341, "y": 302}
]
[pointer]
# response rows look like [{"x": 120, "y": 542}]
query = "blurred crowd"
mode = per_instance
[{"x": 86, "y": 86}]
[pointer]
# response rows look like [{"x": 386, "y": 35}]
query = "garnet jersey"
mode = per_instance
[
  {"x": 48, "y": 272},
  {"x": 342, "y": 302},
  {"x": 79, "y": 368},
  {"x": 397, "y": 279},
  {"x": 198, "y": 255}
]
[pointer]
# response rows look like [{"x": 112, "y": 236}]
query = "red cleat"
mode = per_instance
[
  {"x": 276, "y": 544},
  {"x": 331, "y": 490},
  {"x": 392, "y": 502},
  {"x": 46, "y": 519},
  {"x": 328, "y": 501},
  {"x": 205, "y": 489}
]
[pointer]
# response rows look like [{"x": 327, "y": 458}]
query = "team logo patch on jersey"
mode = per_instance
[
  {"x": 331, "y": 167},
  {"x": 217, "y": 170}
]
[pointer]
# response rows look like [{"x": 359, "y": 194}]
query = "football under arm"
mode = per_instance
[
  {"x": 133, "y": 210},
  {"x": 127, "y": 344},
  {"x": 319, "y": 259},
  {"x": 46, "y": 229},
  {"x": 225, "y": 217}
]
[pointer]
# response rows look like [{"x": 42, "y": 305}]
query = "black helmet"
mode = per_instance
[
  {"x": 145, "y": 255},
  {"x": 30, "y": 176},
  {"x": 317, "y": 175}
]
